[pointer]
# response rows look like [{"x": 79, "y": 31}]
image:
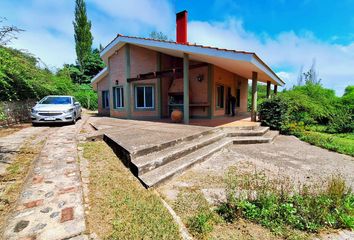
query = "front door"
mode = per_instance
[{"x": 227, "y": 105}]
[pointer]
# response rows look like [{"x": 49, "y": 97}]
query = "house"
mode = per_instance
[{"x": 147, "y": 78}]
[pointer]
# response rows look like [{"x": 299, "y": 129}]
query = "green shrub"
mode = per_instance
[
  {"x": 274, "y": 113},
  {"x": 86, "y": 96},
  {"x": 201, "y": 224},
  {"x": 281, "y": 208}
]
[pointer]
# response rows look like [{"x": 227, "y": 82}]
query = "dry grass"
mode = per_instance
[
  {"x": 120, "y": 208},
  {"x": 12, "y": 181},
  {"x": 5, "y": 131}
]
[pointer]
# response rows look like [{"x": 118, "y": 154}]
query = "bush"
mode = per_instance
[
  {"x": 201, "y": 224},
  {"x": 280, "y": 208},
  {"x": 86, "y": 96},
  {"x": 274, "y": 113}
]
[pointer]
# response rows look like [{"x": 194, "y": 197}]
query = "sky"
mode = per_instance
[{"x": 287, "y": 35}]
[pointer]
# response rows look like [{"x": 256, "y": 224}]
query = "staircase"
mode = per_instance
[{"x": 156, "y": 165}]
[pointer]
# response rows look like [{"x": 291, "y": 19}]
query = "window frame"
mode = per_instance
[
  {"x": 115, "y": 89},
  {"x": 217, "y": 96},
  {"x": 152, "y": 96},
  {"x": 105, "y": 96}
]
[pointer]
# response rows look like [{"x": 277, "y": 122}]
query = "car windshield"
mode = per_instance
[{"x": 56, "y": 100}]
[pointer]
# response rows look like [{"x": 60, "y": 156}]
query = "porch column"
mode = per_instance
[
  {"x": 268, "y": 89},
  {"x": 186, "y": 88},
  {"x": 254, "y": 97},
  {"x": 275, "y": 89}
]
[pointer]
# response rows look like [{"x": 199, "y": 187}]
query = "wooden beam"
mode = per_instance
[
  {"x": 174, "y": 72},
  {"x": 275, "y": 89},
  {"x": 254, "y": 97}
]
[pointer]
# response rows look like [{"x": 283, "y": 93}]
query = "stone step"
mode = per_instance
[
  {"x": 161, "y": 174},
  {"x": 266, "y": 138},
  {"x": 254, "y": 126},
  {"x": 168, "y": 144},
  {"x": 260, "y": 131},
  {"x": 153, "y": 160}
]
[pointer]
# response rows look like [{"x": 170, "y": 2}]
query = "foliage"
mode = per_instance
[
  {"x": 279, "y": 208},
  {"x": 310, "y": 104},
  {"x": 348, "y": 97},
  {"x": 274, "y": 113},
  {"x": 93, "y": 64},
  {"x": 83, "y": 36},
  {"x": 21, "y": 79},
  {"x": 8, "y": 33},
  {"x": 158, "y": 36},
  {"x": 202, "y": 223},
  {"x": 342, "y": 143}
]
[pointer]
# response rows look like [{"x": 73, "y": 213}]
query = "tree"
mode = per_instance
[
  {"x": 311, "y": 75},
  {"x": 158, "y": 36},
  {"x": 8, "y": 33},
  {"x": 83, "y": 36}
]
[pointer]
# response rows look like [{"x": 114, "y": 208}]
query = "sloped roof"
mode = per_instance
[{"x": 242, "y": 63}]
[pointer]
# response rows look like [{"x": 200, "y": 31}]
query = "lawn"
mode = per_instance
[
  {"x": 120, "y": 207},
  {"x": 341, "y": 143}
]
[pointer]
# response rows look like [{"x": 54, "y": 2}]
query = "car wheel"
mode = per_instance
[
  {"x": 74, "y": 119},
  {"x": 35, "y": 124}
]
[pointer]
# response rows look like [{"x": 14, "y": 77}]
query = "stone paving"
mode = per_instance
[
  {"x": 51, "y": 205},
  {"x": 10, "y": 145}
]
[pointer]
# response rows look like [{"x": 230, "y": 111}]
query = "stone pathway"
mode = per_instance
[
  {"x": 10, "y": 145},
  {"x": 51, "y": 205}
]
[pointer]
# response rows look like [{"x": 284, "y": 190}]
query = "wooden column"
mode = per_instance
[
  {"x": 275, "y": 89},
  {"x": 268, "y": 89},
  {"x": 254, "y": 97},
  {"x": 186, "y": 88}
]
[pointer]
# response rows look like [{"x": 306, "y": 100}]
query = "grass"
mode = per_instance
[
  {"x": 196, "y": 213},
  {"x": 288, "y": 213},
  {"x": 120, "y": 208},
  {"x": 342, "y": 143},
  {"x": 12, "y": 181}
]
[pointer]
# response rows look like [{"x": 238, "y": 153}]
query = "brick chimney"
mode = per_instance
[{"x": 181, "y": 27}]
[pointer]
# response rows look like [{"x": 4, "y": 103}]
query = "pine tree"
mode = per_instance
[{"x": 83, "y": 36}]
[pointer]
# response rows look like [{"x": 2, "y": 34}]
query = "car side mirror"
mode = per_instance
[{"x": 77, "y": 103}]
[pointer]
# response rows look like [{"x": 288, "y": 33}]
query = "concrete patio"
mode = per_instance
[{"x": 156, "y": 151}]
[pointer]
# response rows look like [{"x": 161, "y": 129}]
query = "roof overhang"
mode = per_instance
[
  {"x": 99, "y": 77},
  {"x": 240, "y": 63}
]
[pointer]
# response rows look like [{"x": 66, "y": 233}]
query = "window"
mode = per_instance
[
  {"x": 144, "y": 97},
  {"x": 220, "y": 96},
  {"x": 55, "y": 100},
  {"x": 118, "y": 97},
  {"x": 238, "y": 97},
  {"x": 105, "y": 99}
]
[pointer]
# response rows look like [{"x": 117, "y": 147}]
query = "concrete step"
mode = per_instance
[
  {"x": 159, "y": 147},
  {"x": 260, "y": 131},
  {"x": 161, "y": 174},
  {"x": 254, "y": 126},
  {"x": 266, "y": 138},
  {"x": 153, "y": 160}
]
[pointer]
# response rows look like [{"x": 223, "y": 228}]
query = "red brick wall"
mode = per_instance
[
  {"x": 143, "y": 60},
  {"x": 102, "y": 85},
  {"x": 117, "y": 72}
]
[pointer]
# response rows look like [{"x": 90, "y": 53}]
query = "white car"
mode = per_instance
[{"x": 56, "y": 109}]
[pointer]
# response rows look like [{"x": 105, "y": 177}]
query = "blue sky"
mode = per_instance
[{"x": 287, "y": 35}]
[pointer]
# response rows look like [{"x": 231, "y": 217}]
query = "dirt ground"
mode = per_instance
[{"x": 286, "y": 159}]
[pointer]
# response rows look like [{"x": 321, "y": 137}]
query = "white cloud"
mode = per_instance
[
  {"x": 49, "y": 35},
  {"x": 285, "y": 52}
]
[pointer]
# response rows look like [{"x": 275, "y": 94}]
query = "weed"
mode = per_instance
[{"x": 280, "y": 208}]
